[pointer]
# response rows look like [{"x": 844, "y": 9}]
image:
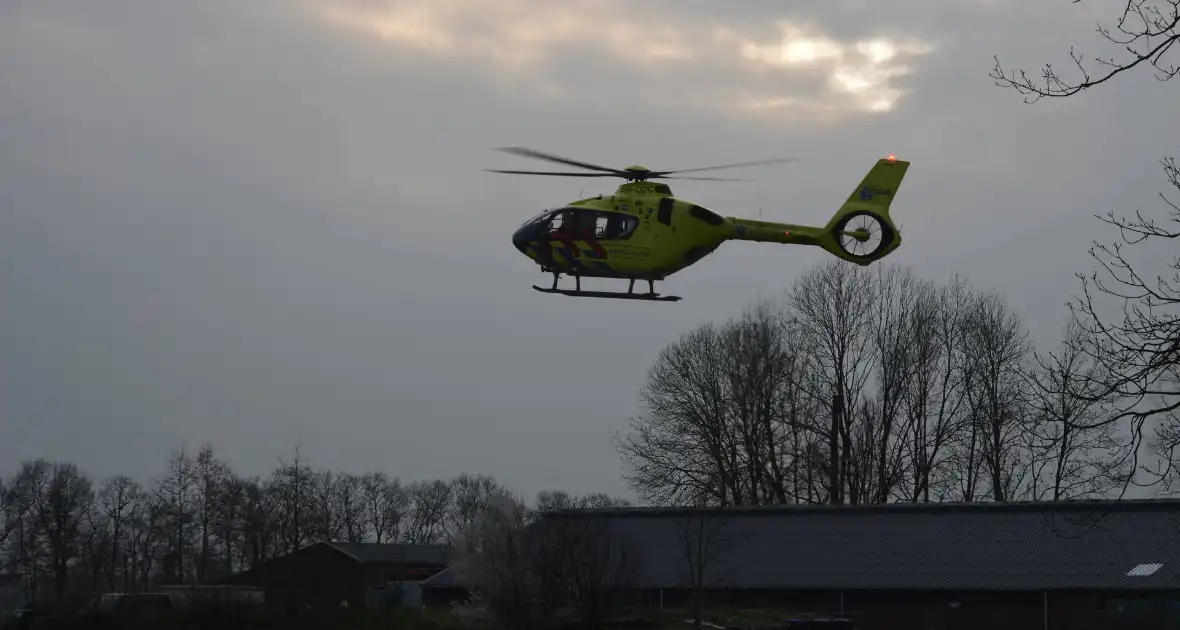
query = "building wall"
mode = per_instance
[
  {"x": 923, "y": 610},
  {"x": 926, "y": 610},
  {"x": 444, "y": 596},
  {"x": 872, "y": 610},
  {"x": 317, "y": 575},
  {"x": 396, "y": 583},
  {"x": 1125, "y": 610}
]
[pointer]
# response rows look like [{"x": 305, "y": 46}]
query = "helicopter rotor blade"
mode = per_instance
[
  {"x": 490, "y": 170},
  {"x": 537, "y": 155},
  {"x": 712, "y": 179},
  {"x": 739, "y": 164}
]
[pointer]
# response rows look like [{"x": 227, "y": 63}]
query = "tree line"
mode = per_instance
[
  {"x": 65, "y": 536},
  {"x": 875, "y": 385}
]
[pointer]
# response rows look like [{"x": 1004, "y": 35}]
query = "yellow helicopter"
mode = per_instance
[{"x": 642, "y": 232}]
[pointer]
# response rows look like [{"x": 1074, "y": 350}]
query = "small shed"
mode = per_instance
[{"x": 325, "y": 574}]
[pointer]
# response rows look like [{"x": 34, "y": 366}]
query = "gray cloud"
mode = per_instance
[
  {"x": 666, "y": 59},
  {"x": 253, "y": 223}
]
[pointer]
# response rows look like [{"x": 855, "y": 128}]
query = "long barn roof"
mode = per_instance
[{"x": 938, "y": 546}]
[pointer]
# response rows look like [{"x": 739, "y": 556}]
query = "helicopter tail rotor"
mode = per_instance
[{"x": 861, "y": 231}]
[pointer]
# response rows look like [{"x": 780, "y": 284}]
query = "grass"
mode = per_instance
[
  {"x": 229, "y": 617},
  {"x": 245, "y": 617},
  {"x": 680, "y": 619}
]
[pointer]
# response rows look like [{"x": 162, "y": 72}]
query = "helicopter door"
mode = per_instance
[{"x": 582, "y": 224}]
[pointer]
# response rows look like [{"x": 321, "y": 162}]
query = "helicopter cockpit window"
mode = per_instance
[
  {"x": 582, "y": 223},
  {"x": 536, "y": 218},
  {"x": 557, "y": 221}
]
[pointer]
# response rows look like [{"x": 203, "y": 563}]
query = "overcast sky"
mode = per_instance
[{"x": 255, "y": 222}]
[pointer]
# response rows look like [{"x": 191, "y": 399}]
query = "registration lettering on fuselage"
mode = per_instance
[
  {"x": 640, "y": 188},
  {"x": 619, "y": 251}
]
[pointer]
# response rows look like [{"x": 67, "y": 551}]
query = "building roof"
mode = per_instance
[
  {"x": 938, "y": 546},
  {"x": 1073, "y": 506},
  {"x": 368, "y": 553},
  {"x": 454, "y": 576}
]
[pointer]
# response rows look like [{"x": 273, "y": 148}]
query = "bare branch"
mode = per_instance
[{"x": 1147, "y": 32}]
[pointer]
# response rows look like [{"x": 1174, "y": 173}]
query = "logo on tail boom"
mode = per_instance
[{"x": 869, "y": 192}]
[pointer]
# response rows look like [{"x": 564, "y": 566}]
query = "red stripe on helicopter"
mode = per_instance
[{"x": 596, "y": 249}]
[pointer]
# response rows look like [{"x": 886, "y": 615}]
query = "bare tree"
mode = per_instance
[
  {"x": 326, "y": 525},
  {"x": 1136, "y": 349},
  {"x": 731, "y": 414},
  {"x": 261, "y": 523},
  {"x": 998, "y": 346},
  {"x": 26, "y": 544},
  {"x": 17, "y": 497},
  {"x": 26, "y": 549},
  {"x": 529, "y": 563},
  {"x": 292, "y": 486},
  {"x": 553, "y": 501},
  {"x": 94, "y": 541},
  {"x": 1139, "y": 356},
  {"x": 596, "y": 562},
  {"x": 176, "y": 494},
  {"x": 761, "y": 366},
  {"x": 1081, "y": 454},
  {"x": 60, "y": 510},
  {"x": 851, "y": 390},
  {"x": 231, "y": 518},
  {"x": 209, "y": 475},
  {"x": 682, "y": 447},
  {"x": 386, "y": 502},
  {"x": 429, "y": 501},
  {"x": 118, "y": 499},
  {"x": 469, "y": 496},
  {"x": 702, "y": 535},
  {"x": 834, "y": 303},
  {"x": 8, "y": 511},
  {"x": 936, "y": 392},
  {"x": 800, "y": 416},
  {"x": 499, "y": 557},
  {"x": 349, "y": 507},
  {"x": 902, "y": 317}
]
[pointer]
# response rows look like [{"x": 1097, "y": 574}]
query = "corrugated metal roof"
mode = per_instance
[
  {"x": 990, "y": 546},
  {"x": 382, "y": 552},
  {"x": 1075, "y": 506}
]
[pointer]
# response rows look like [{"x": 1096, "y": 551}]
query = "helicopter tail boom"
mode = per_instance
[
  {"x": 862, "y": 219},
  {"x": 771, "y": 232}
]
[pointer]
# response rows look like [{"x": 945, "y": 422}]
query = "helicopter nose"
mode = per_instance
[{"x": 520, "y": 240}]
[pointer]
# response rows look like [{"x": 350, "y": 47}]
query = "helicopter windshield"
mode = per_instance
[{"x": 537, "y": 217}]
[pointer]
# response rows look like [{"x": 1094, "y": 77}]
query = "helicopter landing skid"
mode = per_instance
[{"x": 650, "y": 297}]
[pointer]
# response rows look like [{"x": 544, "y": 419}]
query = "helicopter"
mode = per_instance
[{"x": 643, "y": 232}]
